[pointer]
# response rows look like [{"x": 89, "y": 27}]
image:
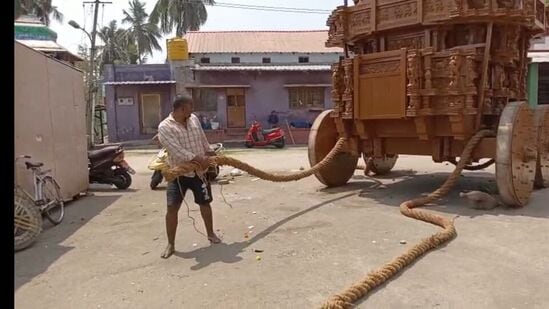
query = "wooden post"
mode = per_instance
[
  {"x": 484, "y": 77},
  {"x": 290, "y": 131}
]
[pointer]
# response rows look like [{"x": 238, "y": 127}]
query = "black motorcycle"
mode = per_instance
[
  {"x": 107, "y": 166},
  {"x": 211, "y": 174}
]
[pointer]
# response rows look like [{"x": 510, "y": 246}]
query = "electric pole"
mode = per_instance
[{"x": 91, "y": 80}]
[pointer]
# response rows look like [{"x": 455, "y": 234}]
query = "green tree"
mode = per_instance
[
  {"x": 183, "y": 15},
  {"x": 115, "y": 44},
  {"x": 43, "y": 9},
  {"x": 142, "y": 33}
]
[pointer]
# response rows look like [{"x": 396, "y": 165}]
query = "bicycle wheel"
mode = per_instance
[
  {"x": 27, "y": 220},
  {"x": 55, "y": 209}
]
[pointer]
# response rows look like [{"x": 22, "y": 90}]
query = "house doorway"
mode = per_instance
[
  {"x": 150, "y": 113},
  {"x": 236, "y": 108}
]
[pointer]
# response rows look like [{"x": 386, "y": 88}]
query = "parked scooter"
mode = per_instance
[
  {"x": 107, "y": 166},
  {"x": 162, "y": 157},
  {"x": 256, "y": 136}
]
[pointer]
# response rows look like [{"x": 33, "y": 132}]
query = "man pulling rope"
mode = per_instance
[
  {"x": 182, "y": 136},
  {"x": 376, "y": 278}
]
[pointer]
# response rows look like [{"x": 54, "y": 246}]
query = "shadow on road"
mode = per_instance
[
  {"x": 228, "y": 253},
  {"x": 408, "y": 185},
  {"x": 36, "y": 259}
]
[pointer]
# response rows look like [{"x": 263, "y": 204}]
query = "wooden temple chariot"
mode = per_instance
[{"x": 421, "y": 77}]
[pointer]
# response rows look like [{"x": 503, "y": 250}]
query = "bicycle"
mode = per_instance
[{"x": 29, "y": 209}]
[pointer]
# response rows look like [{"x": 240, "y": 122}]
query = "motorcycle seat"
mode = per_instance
[
  {"x": 268, "y": 131},
  {"x": 103, "y": 152},
  {"x": 31, "y": 165}
]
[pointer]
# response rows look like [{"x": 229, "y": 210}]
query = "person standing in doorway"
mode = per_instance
[{"x": 182, "y": 135}]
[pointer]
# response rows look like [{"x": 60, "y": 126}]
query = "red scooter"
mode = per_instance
[{"x": 256, "y": 136}]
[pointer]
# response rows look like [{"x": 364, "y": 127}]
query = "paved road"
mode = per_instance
[{"x": 315, "y": 242}]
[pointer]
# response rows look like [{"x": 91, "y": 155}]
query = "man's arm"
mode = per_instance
[{"x": 169, "y": 140}]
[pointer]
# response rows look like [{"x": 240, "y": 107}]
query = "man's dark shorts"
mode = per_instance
[{"x": 202, "y": 191}]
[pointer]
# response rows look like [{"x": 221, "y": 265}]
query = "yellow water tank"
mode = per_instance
[{"x": 178, "y": 49}]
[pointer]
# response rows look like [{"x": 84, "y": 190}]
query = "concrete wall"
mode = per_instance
[
  {"x": 50, "y": 121},
  {"x": 257, "y": 58},
  {"x": 124, "y": 121},
  {"x": 266, "y": 92}
]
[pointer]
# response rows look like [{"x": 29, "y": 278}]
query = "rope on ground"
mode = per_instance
[
  {"x": 475, "y": 167},
  {"x": 347, "y": 298}
]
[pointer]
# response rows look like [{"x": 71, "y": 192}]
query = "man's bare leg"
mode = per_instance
[
  {"x": 171, "y": 229},
  {"x": 206, "y": 212}
]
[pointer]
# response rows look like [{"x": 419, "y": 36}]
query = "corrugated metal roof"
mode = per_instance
[
  {"x": 307, "y": 85},
  {"x": 141, "y": 82},
  {"x": 43, "y": 45},
  {"x": 259, "y": 42},
  {"x": 316, "y": 67},
  {"x": 48, "y": 46},
  {"x": 539, "y": 56},
  {"x": 216, "y": 86}
]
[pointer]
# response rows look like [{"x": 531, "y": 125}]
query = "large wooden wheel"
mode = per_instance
[
  {"x": 516, "y": 154},
  {"x": 542, "y": 168},
  {"x": 322, "y": 139}
]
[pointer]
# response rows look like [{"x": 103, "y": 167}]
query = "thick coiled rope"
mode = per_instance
[
  {"x": 171, "y": 173},
  {"x": 347, "y": 298}
]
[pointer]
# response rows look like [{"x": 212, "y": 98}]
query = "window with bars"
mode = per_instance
[
  {"x": 306, "y": 97},
  {"x": 205, "y": 100}
]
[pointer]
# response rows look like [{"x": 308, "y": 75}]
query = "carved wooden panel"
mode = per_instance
[
  {"x": 348, "y": 96},
  {"x": 357, "y": 23},
  {"x": 437, "y": 9},
  {"x": 360, "y": 21},
  {"x": 530, "y": 6},
  {"x": 540, "y": 11},
  {"x": 410, "y": 41},
  {"x": 338, "y": 87},
  {"x": 380, "y": 87},
  {"x": 392, "y": 13},
  {"x": 336, "y": 23}
]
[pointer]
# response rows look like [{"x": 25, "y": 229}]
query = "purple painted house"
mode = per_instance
[{"x": 237, "y": 77}]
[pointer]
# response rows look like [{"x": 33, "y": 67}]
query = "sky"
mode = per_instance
[{"x": 219, "y": 18}]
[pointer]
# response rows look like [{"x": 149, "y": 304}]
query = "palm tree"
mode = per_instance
[
  {"x": 183, "y": 15},
  {"x": 115, "y": 44},
  {"x": 41, "y": 8},
  {"x": 142, "y": 33}
]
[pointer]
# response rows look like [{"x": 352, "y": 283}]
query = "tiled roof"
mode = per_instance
[
  {"x": 141, "y": 82},
  {"x": 312, "y": 67},
  {"x": 259, "y": 42}
]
